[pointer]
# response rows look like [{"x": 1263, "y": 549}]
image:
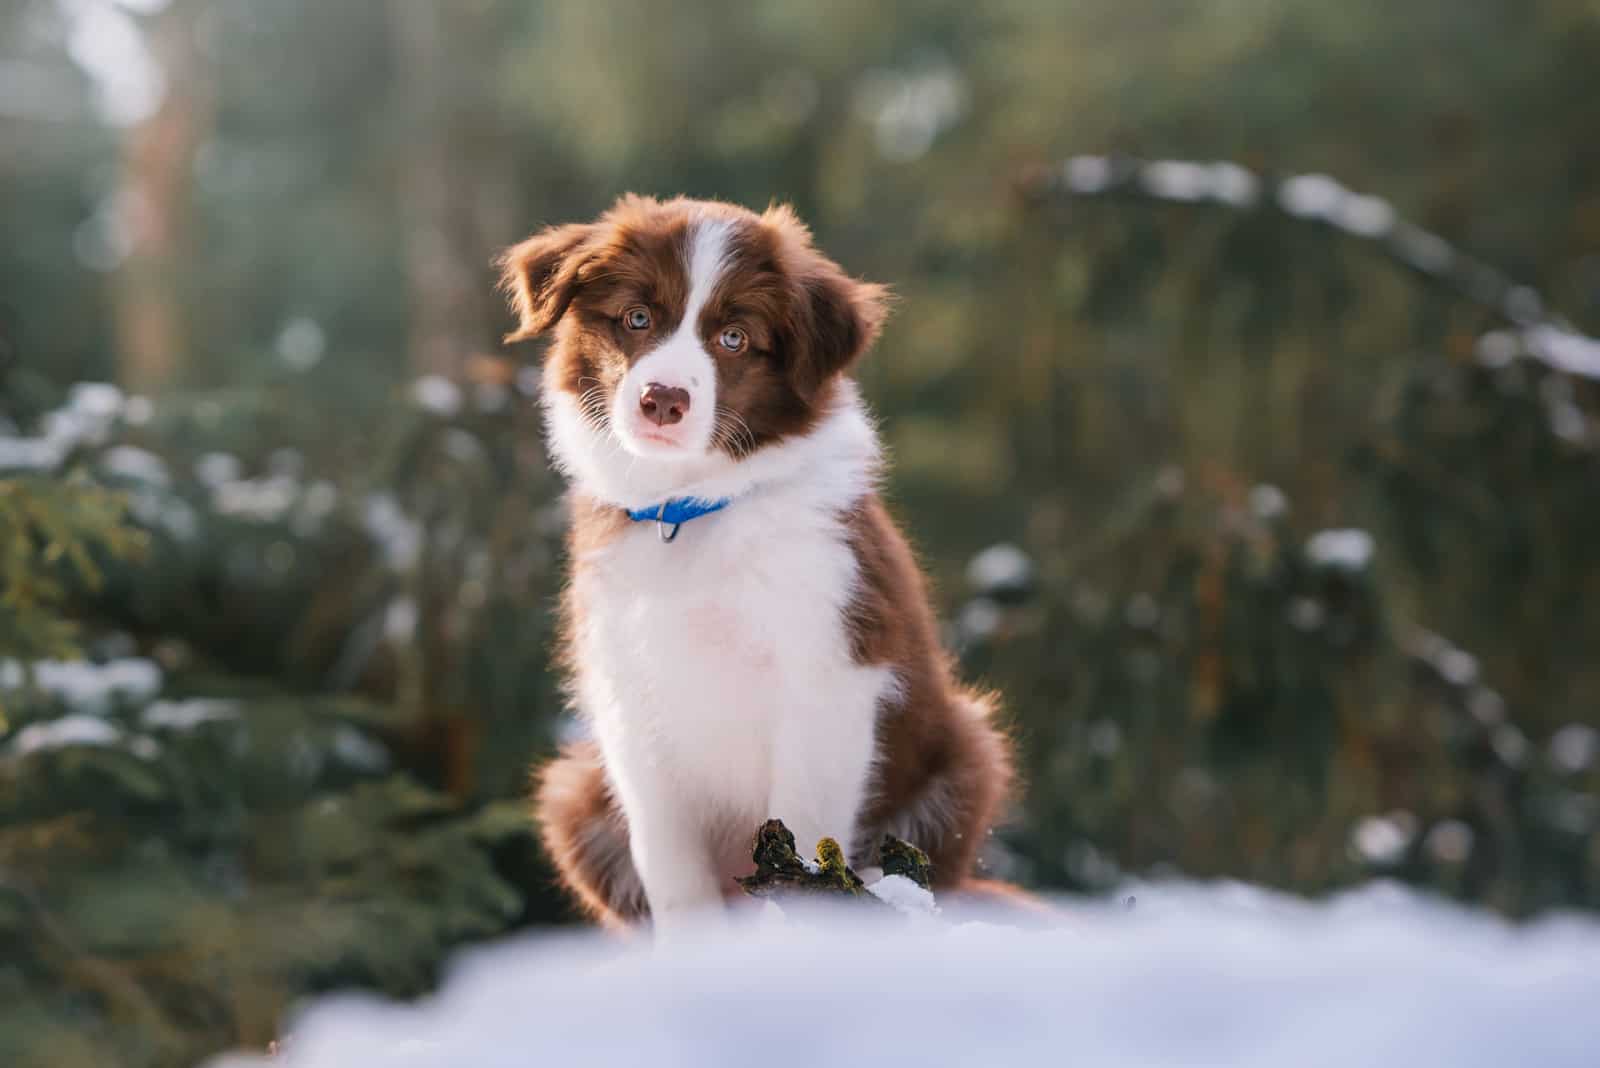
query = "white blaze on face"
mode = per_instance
[{"x": 679, "y": 362}]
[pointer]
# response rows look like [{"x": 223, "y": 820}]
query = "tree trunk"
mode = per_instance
[
  {"x": 447, "y": 193},
  {"x": 156, "y": 186}
]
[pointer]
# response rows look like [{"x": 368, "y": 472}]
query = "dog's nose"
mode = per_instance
[{"x": 663, "y": 404}]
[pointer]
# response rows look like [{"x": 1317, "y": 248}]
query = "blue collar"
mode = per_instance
[{"x": 671, "y": 514}]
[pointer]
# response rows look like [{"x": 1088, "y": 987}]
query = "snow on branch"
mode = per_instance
[{"x": 1534, "y": 332}]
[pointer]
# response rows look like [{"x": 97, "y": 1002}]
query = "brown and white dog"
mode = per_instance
[{"x": 746, "y": 632}]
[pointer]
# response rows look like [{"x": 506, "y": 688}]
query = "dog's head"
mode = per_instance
[{"x": 688, "y": 332}]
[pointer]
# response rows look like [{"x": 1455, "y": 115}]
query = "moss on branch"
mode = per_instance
[{"x": 782, "y": 872}]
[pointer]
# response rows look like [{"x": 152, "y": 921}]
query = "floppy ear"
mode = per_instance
[
  {"x": 835, "y": 317},
  {"x": 541, "y": 275},
  {"x": 840, "y": 320}
]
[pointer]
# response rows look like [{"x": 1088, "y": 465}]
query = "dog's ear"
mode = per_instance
[
  {"x": 835, "y": 318},
  {"x": 540, "y": 276},
  {"x": 841, "y": 319}
]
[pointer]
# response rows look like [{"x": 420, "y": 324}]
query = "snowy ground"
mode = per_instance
[{"x": 1191, "y": 975}]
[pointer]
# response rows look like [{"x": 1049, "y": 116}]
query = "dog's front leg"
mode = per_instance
[
  {"x": 819, "y": 774},
  {"x": 671, "y": 852}
]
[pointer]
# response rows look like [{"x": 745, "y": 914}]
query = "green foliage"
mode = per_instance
[
  {"x": 50, "y": 533},
  {"x": 1228, "y": 697},
  {"x": 1193, "y": 692},
  {"x": 289, "y": 793},
  {"x": 170, "y": 889}
]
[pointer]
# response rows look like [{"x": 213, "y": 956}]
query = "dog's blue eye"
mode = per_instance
[
  {"x": 733, "y": 339},
  {"x": 637, "y": 318}
]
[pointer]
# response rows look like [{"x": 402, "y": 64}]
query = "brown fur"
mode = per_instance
[
  {"x": 806, "y": 319},
  {"x": 945, "y": 770},
  {"x": 585, "y": 835}
]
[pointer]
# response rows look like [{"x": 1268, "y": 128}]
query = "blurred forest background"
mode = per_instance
[{"x": 1241, "y": 392}]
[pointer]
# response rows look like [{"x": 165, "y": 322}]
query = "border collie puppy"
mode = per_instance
[{"x": 745, "y": 630}]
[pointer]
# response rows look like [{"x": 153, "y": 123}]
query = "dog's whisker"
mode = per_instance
[
  {"x": 592, "y": 406},
  {"x": 722, "y": 435},
  {"x": 741, "y": 440}
]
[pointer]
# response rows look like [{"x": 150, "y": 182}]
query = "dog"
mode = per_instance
[{"x": 745, "y": 631}]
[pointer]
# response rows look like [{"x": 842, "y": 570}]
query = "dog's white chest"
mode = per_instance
[{"x": 713, "y": 656}]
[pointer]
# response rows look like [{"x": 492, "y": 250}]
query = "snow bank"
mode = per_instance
[{"x": 1219, "y": 975}]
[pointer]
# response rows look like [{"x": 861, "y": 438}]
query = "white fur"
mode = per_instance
[
  {"x": 610, "y": 463},
  {"x": 716, "y": 670},
  {"x": 680, "y": 361}
]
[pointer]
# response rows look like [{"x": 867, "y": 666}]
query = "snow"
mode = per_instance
[
  {"x": 1574, "y": 747},
  {"x": 1089, "y": 174},
  {"x": 1509, "y": 744},
  {"x": 1000, "y": 568},
  {"x": 1233, "y": 184},
  {"x": 909, "y": 109},
  {"x": 264, "y": 500},
  {"x": 1487, "y": 707},
  {"x": 87, "y": 418},
  {"x": 1176, "y": 179},
  {"x": 1186, "y": 181},
  {"x": 436, "y": 394},
  {"x": 78, "y": 729},
  {"x": 1383, "y": 840},
  {"x": 358, "y": 751},
  {"x": 1268, "y": 503},
  {"x": 317, "y": 503},
  {"x": 136, "y": 464},
  {"x": 97, "y": 401},
  {"x": 1564, "y": 350},
  {"x": 214, "y": 469},
  {"x": 1364, "y": 216},
  {"x": 112, "y": 50},
  {"x": 1311, "y": 196},
  {"x": 979, "y": 619},
  {"x": 1343, "y": 550},
  {"x": 188, "y": 714},
  {"x": 1193, "y": 974},
  {"x": 86, "y": 687},
  {"x": 1498, "y": 348},
  {"x": 1457, "y": 666},
  {"x": 30, "y": 454},
  {"x": 397, "y": 534},
  {"x": 163, "y": 511},
  {"x": 1427, "y": 252},
  {"x": 1320, "y": 197},
  {"x": 66, "y": 731},
  {"x": 301, "y": 343},
  {"x": 138, "y": 411},
  {"x": 1556, "y": 347},
  {"x": 400, "y": 620},
  {"x": 904, "y": 895}
]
